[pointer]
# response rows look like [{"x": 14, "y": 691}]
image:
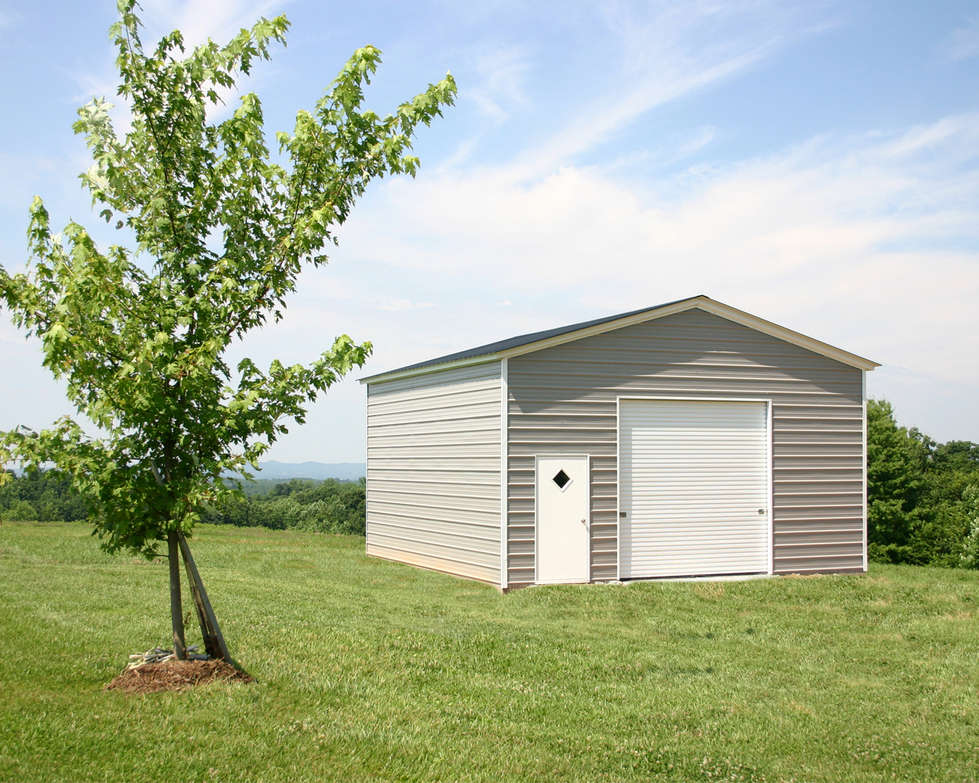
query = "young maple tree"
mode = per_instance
[{"x": 222, "y": 232}]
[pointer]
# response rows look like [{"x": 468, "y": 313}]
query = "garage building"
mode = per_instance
[{"x": 687, "y": 439}]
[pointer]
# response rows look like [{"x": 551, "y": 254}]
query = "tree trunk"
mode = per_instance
[
  {"x": 213, "y": 639},
  {"x": 176, "y": 607}
]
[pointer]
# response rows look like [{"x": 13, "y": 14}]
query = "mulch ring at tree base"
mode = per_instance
[{"x": 174, "y": 675}]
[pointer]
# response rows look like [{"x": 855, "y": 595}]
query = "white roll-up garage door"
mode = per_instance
[{"x": 694, "y": 488}]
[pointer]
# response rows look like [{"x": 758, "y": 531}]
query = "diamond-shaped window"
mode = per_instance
[{"x": 562, "y": 479}]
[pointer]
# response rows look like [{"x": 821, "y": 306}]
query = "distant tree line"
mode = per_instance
[
  {"x": 328, "y": 506},
  {"x": 41, "y": 496},
  {"x": 314, "y": 506}
]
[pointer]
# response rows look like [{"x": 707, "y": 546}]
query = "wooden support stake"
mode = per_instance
[
  {"x": 207, "y": 632},
  {"x": 213, "y": 639}
]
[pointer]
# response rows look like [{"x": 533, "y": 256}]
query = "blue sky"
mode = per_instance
[{"x": 814, "y": 163}]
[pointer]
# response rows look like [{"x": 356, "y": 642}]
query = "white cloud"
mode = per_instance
[
  {"x": 868, "y": 242},
  {"x": 19, "y": 177},
  {"x": 200, "y": 20},
  {"x": 394, "y": 305},
  {"x": 501, "y": 71},
  {"x": 962, "y": 43}
]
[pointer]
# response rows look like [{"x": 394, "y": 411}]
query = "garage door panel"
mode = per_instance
[
  {"x": 701, "y": 563},
  {"x": 709, "y": 534},
  {"x": 695, "y": 487},
  {"x": 715, "y": 523}
]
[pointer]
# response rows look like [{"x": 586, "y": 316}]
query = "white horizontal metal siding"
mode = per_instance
[
  {"x": 433, "y": 471},
  {"x": 694, "y": 488}
]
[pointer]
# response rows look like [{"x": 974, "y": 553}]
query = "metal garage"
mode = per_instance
[{"x": 687, "y": 439}]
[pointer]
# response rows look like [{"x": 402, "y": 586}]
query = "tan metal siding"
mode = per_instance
[
  {"x": 563, "y": 400},
  {"x": 433, "y": 471}
]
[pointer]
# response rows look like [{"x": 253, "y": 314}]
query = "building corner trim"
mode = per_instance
[{"x": 504, "y": 474}]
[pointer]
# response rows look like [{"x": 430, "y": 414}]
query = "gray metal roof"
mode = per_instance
[{"x": 525, "y": 339}]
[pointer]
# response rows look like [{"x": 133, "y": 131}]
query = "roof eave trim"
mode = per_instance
[
  {"x": 790, "y": 336},
  {"x": 428, "y": 369}
]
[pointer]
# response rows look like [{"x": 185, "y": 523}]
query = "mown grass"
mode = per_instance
[{"x": 368, "y": 670}]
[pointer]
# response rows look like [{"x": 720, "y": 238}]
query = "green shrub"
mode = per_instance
[
  {"x": 917, "y": 507},
  {"x": 317, "y": 507},
  {"x": 970, "y": 549},
  {"x": 20, "y": 511}
]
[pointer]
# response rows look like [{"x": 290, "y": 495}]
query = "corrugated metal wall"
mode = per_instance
[
  {"x": 433, "y": 471},
  {"x": 563, "y": 400}
]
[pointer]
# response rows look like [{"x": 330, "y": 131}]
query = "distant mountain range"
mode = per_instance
[{"x": 348, "y": 471}]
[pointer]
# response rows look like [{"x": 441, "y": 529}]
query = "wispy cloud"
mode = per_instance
[
  {"x": 9, "y": 22},
  {"x": 665, "y": 51},
  {"x": 695, "y": 143},
  {"x": 600, "y": 122},
  {"x": 962, "y": 43},
  {"x": 501, "y": 71}
]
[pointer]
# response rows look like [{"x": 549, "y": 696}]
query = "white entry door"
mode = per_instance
[
  {"x": 694, "y": 488},
  {"x": 562, "y": 520}
]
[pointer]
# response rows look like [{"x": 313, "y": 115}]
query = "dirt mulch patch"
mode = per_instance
[{"x": 174, "y": 675}]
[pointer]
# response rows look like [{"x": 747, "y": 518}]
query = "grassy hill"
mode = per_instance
[{"x": 372, "y": 671}]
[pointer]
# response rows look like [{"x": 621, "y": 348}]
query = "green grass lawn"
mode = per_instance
[{"x": 368, "y": 670}]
